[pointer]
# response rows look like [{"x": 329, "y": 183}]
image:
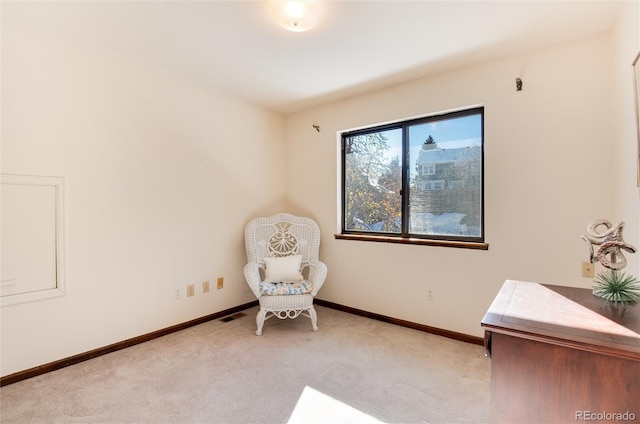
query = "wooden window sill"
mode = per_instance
[{"x": 408, "y": 240}]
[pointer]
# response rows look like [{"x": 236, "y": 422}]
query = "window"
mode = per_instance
[
  {"x": 420, "y": 179},
  {"x": 433, "y": 185},
  {"x": 429, "y": 168}
]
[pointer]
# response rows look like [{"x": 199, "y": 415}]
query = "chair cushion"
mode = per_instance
[
  {"x": 284, "y": 288},
  {"x": 284, "y": 268}
]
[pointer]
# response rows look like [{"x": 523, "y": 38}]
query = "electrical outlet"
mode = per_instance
[
  {"x": 205, "y": 287},
  {"x": 177, "y": 293},
  {"x": 430, "y": 294},
  {"x": 191, "y": 290},
  {"x": 220, "y": 282},
  {"x": 587, "y": 269}
]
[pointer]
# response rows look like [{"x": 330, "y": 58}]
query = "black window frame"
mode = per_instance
[{"x": 405, "y": 236}]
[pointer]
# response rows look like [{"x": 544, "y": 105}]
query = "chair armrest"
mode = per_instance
[
  {"x": 317, "y": 275},
  {"x": 252, "y": 275}
]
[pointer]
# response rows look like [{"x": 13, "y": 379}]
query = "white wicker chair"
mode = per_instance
[{"x": 279, "y": 236}]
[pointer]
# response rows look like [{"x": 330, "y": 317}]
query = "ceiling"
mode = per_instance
[{"x": 358, "y": 46}]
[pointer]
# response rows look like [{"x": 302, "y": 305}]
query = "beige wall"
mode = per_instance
[
  {"x": 161, "y": 177},
  {"x": 549, "y": 165},
  {"x": 627, "y": 199}
]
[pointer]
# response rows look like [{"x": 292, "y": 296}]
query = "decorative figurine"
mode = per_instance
[
  {"x": 609, "y": 253},
  {"x": 611, "y": 285}
]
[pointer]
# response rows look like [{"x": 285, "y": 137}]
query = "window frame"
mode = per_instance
[{"x": 404, "y": 236}]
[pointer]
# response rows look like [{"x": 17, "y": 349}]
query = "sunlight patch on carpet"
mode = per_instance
[{"x": 316, "y": 407}]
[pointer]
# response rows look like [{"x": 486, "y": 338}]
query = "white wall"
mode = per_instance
[
  {"x": 549, "y": 167},
  {"x": 161, "y": 177}
]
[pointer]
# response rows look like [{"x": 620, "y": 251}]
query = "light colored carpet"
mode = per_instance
[{"x": 221, "y": 372}]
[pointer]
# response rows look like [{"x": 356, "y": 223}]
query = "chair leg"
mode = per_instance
[
  {"x": 314, "y": 318},
  {"x": 260, "y": 321}
]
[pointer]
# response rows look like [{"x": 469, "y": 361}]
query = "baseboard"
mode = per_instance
[
  {"x": 421, "y": 327},
  {"x": 72, "y": 360}
]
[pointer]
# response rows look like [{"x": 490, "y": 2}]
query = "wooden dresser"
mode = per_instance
[{"x": 560, "y": 355}]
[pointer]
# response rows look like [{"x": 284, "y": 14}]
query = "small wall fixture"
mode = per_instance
[
  {"x": 518, "y": 84},
  {"x": 295, "y": 15}
]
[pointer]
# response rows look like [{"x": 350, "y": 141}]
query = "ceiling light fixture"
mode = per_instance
[{"x": 295, "y": 15}]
